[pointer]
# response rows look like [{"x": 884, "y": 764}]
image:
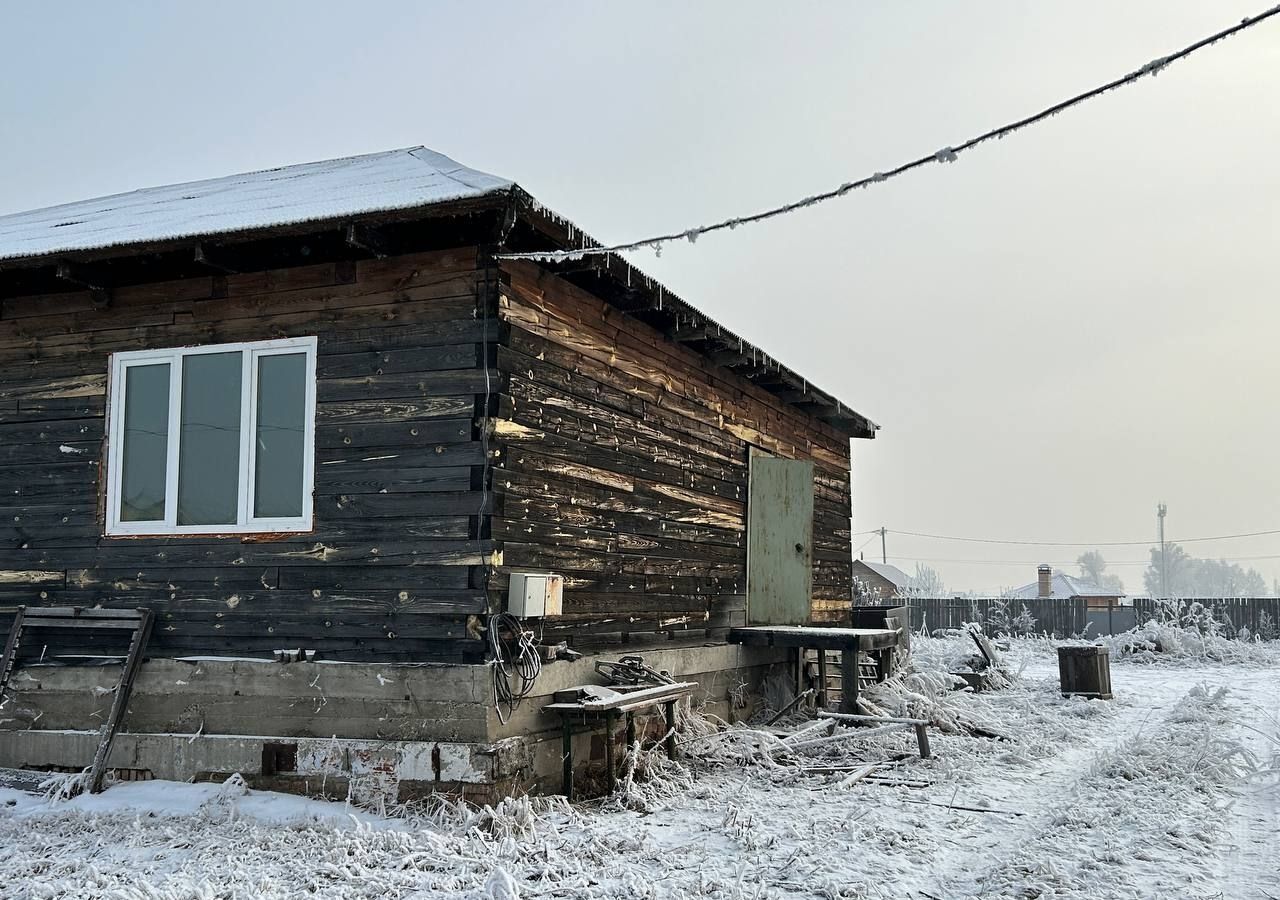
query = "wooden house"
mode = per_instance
[
  {"x": 876, "y": 582},
  {"x": 1051, "y": 585},
  {"x": 314, "y": 408}
]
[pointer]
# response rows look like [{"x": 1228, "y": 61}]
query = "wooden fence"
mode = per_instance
[
  {"x": 1063, "y": 618},
  {"x": 998, "y": 615},
  {"x": 1260, "y": 615}
]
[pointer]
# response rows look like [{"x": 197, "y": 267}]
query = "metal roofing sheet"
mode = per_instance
[{"x": 332, "y": 189}]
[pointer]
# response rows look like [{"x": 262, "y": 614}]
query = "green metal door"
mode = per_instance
[{"x": 779, "y": 541}]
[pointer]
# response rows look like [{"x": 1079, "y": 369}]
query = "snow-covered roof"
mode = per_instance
[
  {"x": 892, "y": 574},
  {"x": 1064, "y": 588},
  {"x": 333, "y": 189}
]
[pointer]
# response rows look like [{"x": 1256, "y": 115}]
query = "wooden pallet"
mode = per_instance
[{"x": 137, "y": 621}]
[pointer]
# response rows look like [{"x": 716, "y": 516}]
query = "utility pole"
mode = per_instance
[
  {"x": 1161, "y": 509},
  {"x": 884, "y": 552}
]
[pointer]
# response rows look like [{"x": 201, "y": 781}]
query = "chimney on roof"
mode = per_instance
[{"x": 1045, "y": 587}]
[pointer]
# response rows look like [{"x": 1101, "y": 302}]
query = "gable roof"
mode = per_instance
[
  {"x": 891, "y": 574},
  {"x": 291, "y": 195},
  {"x": 1064, "y": 587}
]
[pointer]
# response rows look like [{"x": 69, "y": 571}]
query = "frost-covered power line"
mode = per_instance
[
  {"x": 1058, "y": 564},
  {"x": 945, "y": 155},
  {"x": 1146, "y": 543}
]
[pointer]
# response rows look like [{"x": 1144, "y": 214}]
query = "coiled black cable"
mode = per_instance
[{"x": 516, "y": 661}]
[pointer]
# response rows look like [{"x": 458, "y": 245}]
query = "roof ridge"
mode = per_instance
[{"x": 451, "y": 174}]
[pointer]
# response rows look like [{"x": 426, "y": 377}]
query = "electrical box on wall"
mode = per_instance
[{"x": 533, "y": 595}]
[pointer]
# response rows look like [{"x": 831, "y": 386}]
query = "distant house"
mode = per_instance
[
  {"x": 1050, "y": 585},
  {"x": 880, "y": 581}
]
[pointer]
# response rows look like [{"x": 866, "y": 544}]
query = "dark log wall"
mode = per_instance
[
  {"x": 624, "y": 468},
  {"x": 394, "y": 567}
]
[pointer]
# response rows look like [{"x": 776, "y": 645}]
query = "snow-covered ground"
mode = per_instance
[{"x": 1169, "y": 790}]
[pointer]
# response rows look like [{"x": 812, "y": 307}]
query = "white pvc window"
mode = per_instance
[{"x": 212, "y": 440}]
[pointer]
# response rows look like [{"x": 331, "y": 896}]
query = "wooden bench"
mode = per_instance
[{"x": 629, "y": 701}]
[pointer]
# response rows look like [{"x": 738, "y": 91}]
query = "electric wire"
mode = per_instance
[
  {"x": 516, "y": 663},
  {"x": 1061, "y": 563},
  {"x": 945, "y": 155},
  {"x": 864, "y": 544},
  {"x": 1146, "y": 543}
]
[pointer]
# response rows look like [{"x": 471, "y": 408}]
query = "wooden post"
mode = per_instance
[
  {"x": 566, "y": 737},
  {"x": 120, "y": 703},
  {"x": 631, "y": 731},
  {"x": 922, "y": 739},
  {"x": 884, "y": 663},
  {"x": 822, "y": 679},
  {"x": 849, "y": 681},
  {"x": 610, "y": 721},
  {"x": 671, "y": 729}
]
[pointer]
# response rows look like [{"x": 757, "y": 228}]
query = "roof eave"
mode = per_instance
[
  {"x": 692, "y": 325},
  {"x": 488, "y": 201}
]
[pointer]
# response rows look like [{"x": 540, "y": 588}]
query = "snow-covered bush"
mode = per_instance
[
  {"x": 1187, "y": 632},
  {"x": 1267, "y": 627},
  {"x": 1003, "y": 621}
]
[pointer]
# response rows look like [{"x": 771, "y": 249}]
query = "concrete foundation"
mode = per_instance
[
  {"x": 372, "y": 732},
  {"x": 728, "y": 678}
]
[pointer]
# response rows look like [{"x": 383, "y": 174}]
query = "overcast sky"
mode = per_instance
[{"x": 1056, "y": 332}]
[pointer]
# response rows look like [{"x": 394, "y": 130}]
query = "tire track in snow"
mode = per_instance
[
  {"x": 991, "y": 840},
  {"x": 1251, "y": 869},
  {"x": 1133, "y": 814}
]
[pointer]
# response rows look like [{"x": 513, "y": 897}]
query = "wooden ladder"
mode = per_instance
[
  {"x": 868, "y": 671},
  {"x": 138, "y": 621},
  {"x": 827, "y": 674}
]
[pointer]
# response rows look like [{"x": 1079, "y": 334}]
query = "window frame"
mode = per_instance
[{"x": 246, "y": 522}]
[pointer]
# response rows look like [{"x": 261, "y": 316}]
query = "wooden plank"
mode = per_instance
[
  {"x": 364, "y": 336},
  {"x": 686, "y": 508},
  {"x": 123, "y": 581},
  {"x": 567, "y": 470},
  {"x": 212, "y": 551},
  {"x": 51, "y": 431},
  {"x": 55, "y": 388},
  {"x": 397, "y": 362},
  {"x": 37, "y": 613},
  {"x": 390, "y": 578},
  {"x": 388, "y": 478},
  {"x": 223, "y": 602},
  {"x": 32, "y": 621},
  {"x": 449, "y": 295},
  {"x": 173, "y": 294},
  {"x": 629, "y": 701},
  {"x": 537, "y": 511},
  {"x": 441, "y": 503},
  {"x": 409, "y": 434},
  {"x": 30, "y": 409},
  {"x": 411, "y": 385},
  {"x": 361, "y": 412},
  {"x": 815, "y": 638}
]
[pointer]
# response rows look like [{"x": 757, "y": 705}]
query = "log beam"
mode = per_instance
[
  {"x": 92, "y": 280},
  {"x": 369, "y": 240},
  {"x": 220, "y": 259}
]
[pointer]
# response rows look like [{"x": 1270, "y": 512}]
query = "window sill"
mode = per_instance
[{"x": 148, "y": 530}]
